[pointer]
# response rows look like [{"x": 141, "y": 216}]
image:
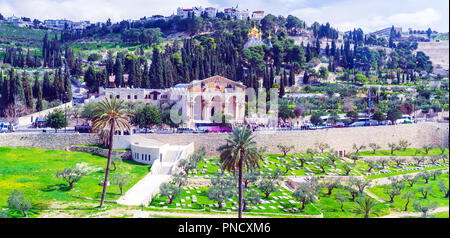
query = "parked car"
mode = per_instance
[
  {"x": 83, "y": 129},
  {"x": 339, "y": 125},
  {"x": 219, "y": 129},
  {"x": 40, "y": 124},
  {"x": 185, "y": 130},
  {"x": 4, "y": 128},
  {"x": 358, "y": 124},
  {"x": 13, "y": 127}
]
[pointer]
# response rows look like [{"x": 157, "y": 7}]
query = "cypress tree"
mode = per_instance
[
  {"x": 46, "y": 87},
  {"x": 36, "y": 85},
  {"x": 39, "y": 106},
  {"x": 281, "y": 94},
  {"x": 156, "y": 70},
  {"x": 292, "y": 76},
  {"x": 28, "y": 92},
  {"x": 145, "y": 77},
  {"x": 118, "y": 72},
  {"x": 67, "y": 85}
]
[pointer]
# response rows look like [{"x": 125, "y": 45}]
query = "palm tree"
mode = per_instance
[
  {"x": 365, "y": 206},
  {"x": 239, "y": 151},
  {"x": 109, "y": 116}
]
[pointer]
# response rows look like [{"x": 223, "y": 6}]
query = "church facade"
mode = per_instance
[{"x": 200, "y": 101}]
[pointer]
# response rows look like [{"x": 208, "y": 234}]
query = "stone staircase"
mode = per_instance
[
  {"x": 144, "y": 190},
  {"x": 171, "y": 156}
]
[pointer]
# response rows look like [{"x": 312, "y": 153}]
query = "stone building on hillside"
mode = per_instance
[{"x": 198, "y": 101}]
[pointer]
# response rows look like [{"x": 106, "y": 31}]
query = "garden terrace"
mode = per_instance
[
  {"x": 270, "y": 163},
  {"x": 434, "y": 195},
  {"x": 33, "y": 172}
]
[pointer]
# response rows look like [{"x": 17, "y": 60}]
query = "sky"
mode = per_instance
[{"x": 370, "y": 15}]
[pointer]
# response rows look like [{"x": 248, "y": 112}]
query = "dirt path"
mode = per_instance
[{"x": 414, "y": 214}]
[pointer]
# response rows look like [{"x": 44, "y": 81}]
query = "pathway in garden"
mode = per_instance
[
  {"x": 146, "y": 214},
  {"x": 385, "y": 180},
  {"x": 143, "y": 191},
  {"x": 414, "y": 214}
]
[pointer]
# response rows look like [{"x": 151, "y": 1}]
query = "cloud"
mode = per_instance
[
  {"x": 421, "y": 18},
  {"x": 375, "y": 15},
  {"x": 94, "y": 10},
  {"x": 342, "y": 14}
]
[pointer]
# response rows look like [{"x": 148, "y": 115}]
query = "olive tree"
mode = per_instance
[
  {"x": 71, "y": 175},
  {"x": 120, "y": 180},
  {"x": 393, "y": 190},
  {"x": 427, "y": 148},
  {"x": 433, "y": 159},
  {"x": 374, "y": 147},
  {"x": 251, "y": 197},
  {"x": 322, "y": 162},
  {"x": 285, "y": 149},
  {"x": 443, "y": 187},
  {"x": 425, "y": 208},
  {"x": 398, "y": 161},
  {"x": 341, "y": 199},
  {"x": 322, "y": 146},
  {"x": 425, "y": 190},
  {"x": 419, "y": 159},
  {"x": 403, "y": 144},
  {"x": 305, "y": 193},
  {"x": 408, "y": 196},
  {"x": 358, "y": 148},
  {"x": 411, "y": 179},
  {"x": 222, "y": 189},
  {"x": 346, "y": 167},
  {"x": 426, "y": 175},
  {"x": 170, "y": 190},
  {"x": 382, "y": 162},
  {"x": 361, "y": 184},
  {"x": 392, "y": 146},
  {"x": 331, "y": 184},
  {"x": 372, "y": 164},
  {"x": 17, "y": 201},
  {"x": 268, "y": 186}
]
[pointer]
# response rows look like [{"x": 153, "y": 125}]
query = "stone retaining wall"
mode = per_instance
[
  {"x": 59, "y": 141},
  {"x": 418, "y": 135},
  {"x": 126, "y": 155}
]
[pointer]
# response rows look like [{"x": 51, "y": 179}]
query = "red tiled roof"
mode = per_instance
[
  {"x": 258, "y": 12},
  {"x": 188, "y": 9},
  {"x": 210, "y": 8}
]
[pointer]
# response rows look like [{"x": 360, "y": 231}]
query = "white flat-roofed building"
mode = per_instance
[
  {"x": 189, "y": 12},
  {"x": 58, "y": 24},
  {"x": 211, "y": 12},
  {"x": 257, "y": 15},
  {"x": 234, "y": 13}
]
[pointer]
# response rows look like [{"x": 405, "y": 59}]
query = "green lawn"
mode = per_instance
[
  {"x": 22, "y": 35},
  {"x": 331, "y": 208},
  {"x": 399, "y": 203},
  {"x": 33, "y": 172}
]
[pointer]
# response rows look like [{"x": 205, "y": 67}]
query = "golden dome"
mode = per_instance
[{"x": 254, "y": 32}]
